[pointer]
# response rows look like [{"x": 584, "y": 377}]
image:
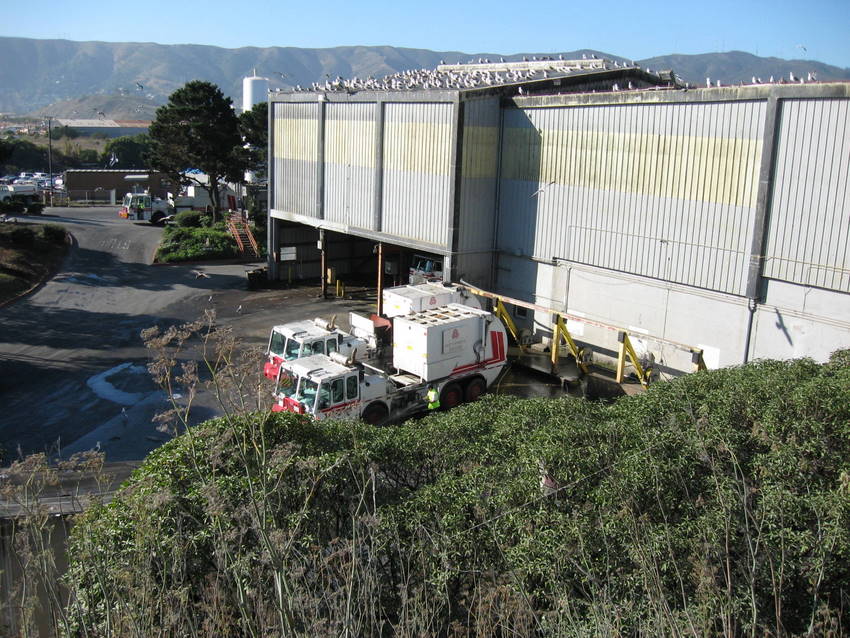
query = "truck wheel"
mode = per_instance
[
  {"x": 156, "y": 218},
  {"x": 474, "y": 389},
  {"x": 375, "y": 414},
  {"x": 451, "y": 396}
]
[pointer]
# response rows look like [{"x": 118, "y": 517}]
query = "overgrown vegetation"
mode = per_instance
[
  {"x": 717, "y": 504},
  {"x": 189, "y": 243},
  {"x": 28, "y": 254}
]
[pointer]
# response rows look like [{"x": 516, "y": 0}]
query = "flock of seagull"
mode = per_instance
[
  {"x": 453, "y": 77},
  {"x": 478, "y": 75}
]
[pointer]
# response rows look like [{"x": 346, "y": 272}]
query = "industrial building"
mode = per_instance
[{"x": 712, "y": 219}]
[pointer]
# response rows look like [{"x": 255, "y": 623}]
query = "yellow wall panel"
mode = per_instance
[
  {"x": 296, "y": 139},
  {"x": 417, "y": 147},
  {"x": 710, "y": 169}
]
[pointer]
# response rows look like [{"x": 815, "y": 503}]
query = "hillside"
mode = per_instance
[
  {"x": 41, "y": 73},
  {"x": 737, "y": 66}
]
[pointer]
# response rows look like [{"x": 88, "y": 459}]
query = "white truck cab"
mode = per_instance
[{"x": 299, "y": 339}]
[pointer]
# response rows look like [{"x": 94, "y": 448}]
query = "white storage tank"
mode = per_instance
[{"x": 255, "y": 89}]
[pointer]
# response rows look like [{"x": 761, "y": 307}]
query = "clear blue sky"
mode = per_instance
[{"x": 631, "y": 29}]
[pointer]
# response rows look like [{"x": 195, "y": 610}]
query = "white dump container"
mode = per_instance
[
  {"x": 432, "y": 344},
  {"x": 404, "y": 300}
]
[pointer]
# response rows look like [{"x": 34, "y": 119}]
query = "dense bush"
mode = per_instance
[
  {"x": 188, "y": 219},
  {"x": 716, "y": 504},
  {"x": 36, "y": 208},
  {"x": 53, "y": 233},
  {"x": 191, "y": 244},
  {"x": 22, "y": 236},
  {"x": 11, "y": 207}
]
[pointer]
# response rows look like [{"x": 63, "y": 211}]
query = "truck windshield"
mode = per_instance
[
  {"x": 293, "y": 349},
  {"x": 276, "y": 343},
  {"x": 306, "y": 394},
  {"x": 286, "y": 383}
]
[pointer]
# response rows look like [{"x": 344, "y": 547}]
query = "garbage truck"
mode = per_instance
[
  {"x": 297, "y": 339},
  {"x": 454, "y": 352}
]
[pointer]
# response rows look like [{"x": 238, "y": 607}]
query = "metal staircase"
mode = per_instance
[{"x": 242, "y": 234}]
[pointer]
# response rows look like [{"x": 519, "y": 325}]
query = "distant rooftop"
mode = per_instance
[{"x": 102, "y": 123}]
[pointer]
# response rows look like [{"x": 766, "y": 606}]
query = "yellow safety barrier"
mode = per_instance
[
  {"x": 502, "y": 313},
  {"x": 627, "y": 349},
  {"x": 559, "y": 330}
]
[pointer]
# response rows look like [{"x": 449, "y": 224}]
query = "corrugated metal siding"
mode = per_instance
[
  {"x": 479, "y": 165},
  {"x": 417, "y": 171},
  {"x": 296, "y": 134},
  {"x": 809, "y": 233},
  {"x": 350, "y": 164},
  {"x": 661, "y": 190}
]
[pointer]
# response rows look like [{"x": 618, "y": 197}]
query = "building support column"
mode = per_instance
[
  {"x": 380, "y": 278},
  {"x": 761, "y": 219},
  {"x": 323, "y": 266},
  {"x": 273, "y": 247}
]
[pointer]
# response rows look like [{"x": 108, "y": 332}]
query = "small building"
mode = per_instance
[{"x": 96, "y": 184}]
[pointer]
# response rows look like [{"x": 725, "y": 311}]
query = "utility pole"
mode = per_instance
[{"x": 50, "y": 157}]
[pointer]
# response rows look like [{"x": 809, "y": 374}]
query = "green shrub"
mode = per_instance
[
  {"x": 53, "y": 233},
  {"x": 22, "y": 236},
  {"x": 36, "y": 208},
  {"x": 194, "y": 244},
  {"x": 713, "y": 504},
  {"x": 188, "y": 219}
]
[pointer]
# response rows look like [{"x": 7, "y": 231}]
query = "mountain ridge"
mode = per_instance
[{"x": 42, "y": 75}]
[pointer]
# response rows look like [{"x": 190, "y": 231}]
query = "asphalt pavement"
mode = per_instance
[{"x": 73, "y": 372}]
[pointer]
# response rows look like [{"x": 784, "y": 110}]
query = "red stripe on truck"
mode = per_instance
[{"x": 497, "y": 345}]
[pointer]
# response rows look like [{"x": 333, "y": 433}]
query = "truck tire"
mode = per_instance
[
  {"x": 474, "y": 389},
  {"x": 451, "y": 396},
  {"x": 375, "y": 414},
  {"x": 156, "y": 218}
]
